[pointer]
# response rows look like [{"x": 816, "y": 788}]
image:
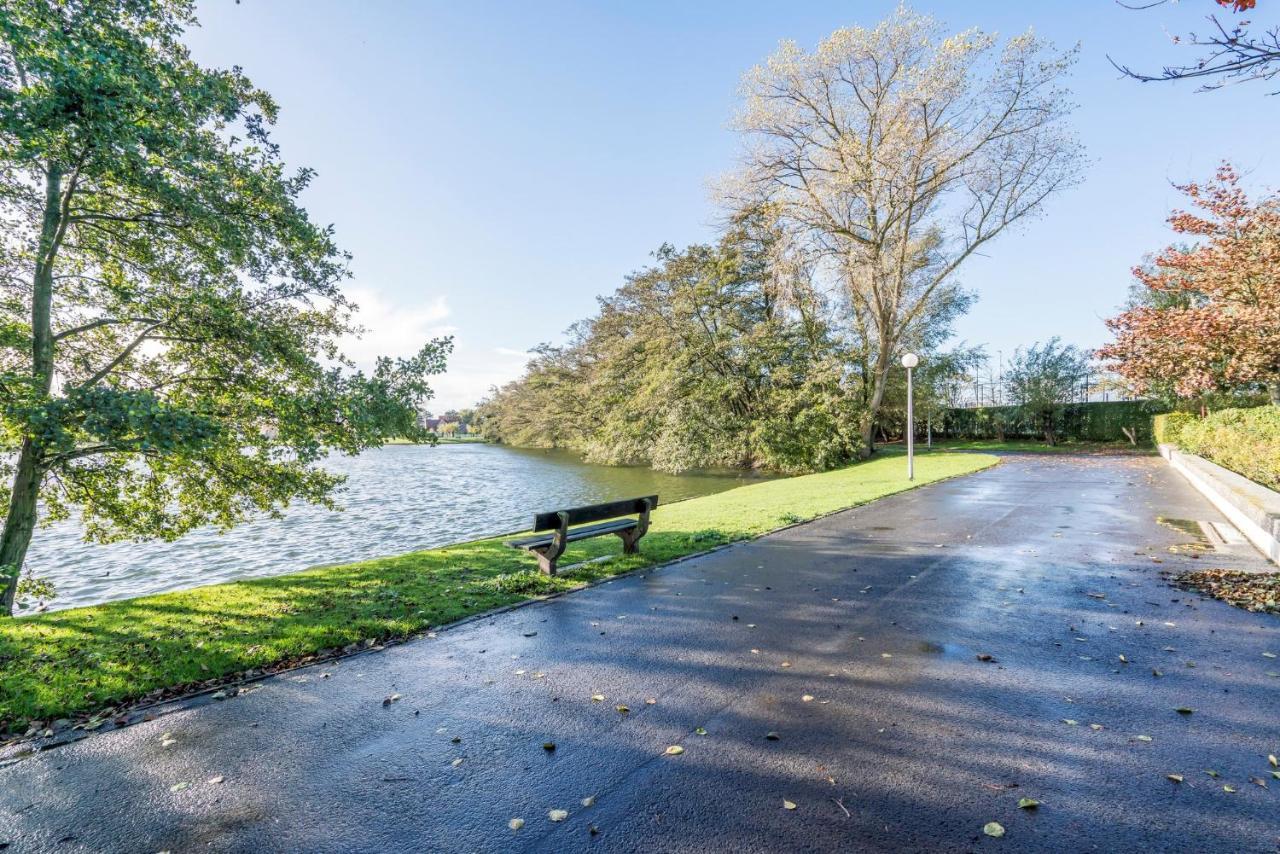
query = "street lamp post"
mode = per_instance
[{"x": 909, "y": 361}]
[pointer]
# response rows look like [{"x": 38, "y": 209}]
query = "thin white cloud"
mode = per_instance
[
  {"x": 393, "y": 330},
  {"x": 507, "y": 351}
]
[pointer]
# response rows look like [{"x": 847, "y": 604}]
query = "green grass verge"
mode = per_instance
[
  {"x": 443, "y": 440},
  {"x": 74, "y": 662},
  {"x": 1032, "y": 447}
]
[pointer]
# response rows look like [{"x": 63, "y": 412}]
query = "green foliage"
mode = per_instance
[
  {"x": 78, "y": 660},
  {"x": 1166, "y": 427},
  {"x": 1247, "y": 441},
  {"x": 159, "y": 265},
  {"x": 705, "y": 360},
  {"x": 1100, "y": 421},
  {"x": 1041, "y": 378}
]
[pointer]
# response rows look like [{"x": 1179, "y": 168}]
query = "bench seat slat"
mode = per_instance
[{"x": 575, "y": 534}]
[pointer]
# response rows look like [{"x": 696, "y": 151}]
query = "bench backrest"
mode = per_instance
[{"x": 593, "y": 512}]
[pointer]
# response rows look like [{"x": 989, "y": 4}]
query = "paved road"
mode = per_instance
[{"x": 908, "y": 743}]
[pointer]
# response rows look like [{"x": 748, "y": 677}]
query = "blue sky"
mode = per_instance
[{"x": 495, "y": 167}]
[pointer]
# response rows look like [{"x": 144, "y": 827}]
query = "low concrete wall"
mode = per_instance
[{"x": 1252, "y": 508}]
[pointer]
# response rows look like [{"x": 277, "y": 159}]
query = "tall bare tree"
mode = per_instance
[{"x": 898, "y": 152}]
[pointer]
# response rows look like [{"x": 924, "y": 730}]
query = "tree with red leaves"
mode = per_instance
[{"x": 1206, "y": 317}]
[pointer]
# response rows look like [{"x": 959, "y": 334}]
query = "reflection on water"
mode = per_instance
[{"x": 397, "y": 499}]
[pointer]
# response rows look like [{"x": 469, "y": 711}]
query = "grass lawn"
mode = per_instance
[
  {"x": 1028, "y": 446},
  {"x": 71, "y": 663},
  {"x": 443, "y": 440}
]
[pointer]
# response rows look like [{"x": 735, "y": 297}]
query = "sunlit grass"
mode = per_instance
[
  {"x": 83, "y": 659},
  {"x": 1036, "y": 447}
]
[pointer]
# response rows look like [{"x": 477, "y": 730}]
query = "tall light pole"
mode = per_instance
[{"x": 909, "y": 361}]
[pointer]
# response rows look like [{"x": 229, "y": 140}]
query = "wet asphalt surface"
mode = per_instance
[{"x": 855, "y": 643}]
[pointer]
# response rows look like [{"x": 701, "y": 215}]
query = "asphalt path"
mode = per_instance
[{"x": 824, "y": 683}]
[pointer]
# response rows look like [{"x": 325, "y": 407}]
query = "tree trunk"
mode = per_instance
[
  {"x": 1274, "y": 390},
  {"x": 873, "y": 406},
  {"x": 21, "y": 521}
]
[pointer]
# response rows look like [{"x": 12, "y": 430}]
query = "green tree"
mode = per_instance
[
  {"x": 169, "y": 313},
  {"x": 715, "y": 356},
  {"x": 1041, "y": 378}
]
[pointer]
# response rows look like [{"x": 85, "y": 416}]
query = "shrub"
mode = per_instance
[
  {"x": 1165, "y": 428},
  {"x": 1247, "y": 441}
]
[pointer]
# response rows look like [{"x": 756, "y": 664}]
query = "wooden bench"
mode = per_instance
[{"x": 549, "y": 547}]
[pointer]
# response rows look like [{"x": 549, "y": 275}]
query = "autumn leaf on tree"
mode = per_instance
[{"x": 1206, "y": 316}]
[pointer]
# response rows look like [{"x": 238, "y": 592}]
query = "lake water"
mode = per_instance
[{"x": 397, "y": 499}]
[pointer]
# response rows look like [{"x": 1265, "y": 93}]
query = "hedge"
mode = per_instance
[
  {"x": 1085, "y": 422},
  {"x": 1247, "y": 441},
  {"x": 1166, "y": 426}
]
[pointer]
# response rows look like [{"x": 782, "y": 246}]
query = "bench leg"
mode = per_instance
[
  {"x": 547, "y": 561},
  {"x": 631, "y": 540}
]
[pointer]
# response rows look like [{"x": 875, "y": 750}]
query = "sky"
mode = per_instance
[{"x": 494, "y": 167}]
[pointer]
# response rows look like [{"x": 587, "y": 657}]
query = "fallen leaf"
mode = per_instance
[
  {"x": 993, "y": 828},
  {"x": 807, "y": 698},
  {"x": 985, "y": 656},
  {"x": 1211, "y": 773},
  {"x": 558, "y": 815},
  {"x": 1272, "y": 761},
  {"x": 787, "y": 805},
  {"x": 700, "y": 731},
  {"x": 597, "y": 698},
  {"x": 178, "y": 787},
  {"x": 391, "y": 698},
  {"x": 1231, "y": 790},
  {"x": 455, "y": 763},
  {"x": 1070, "y": 722},
  {"x": 215, "y": 781},
  {"x": 1096, "y": 727},
  {"x": 675, "y": 750},
  {"x": 548, "y": 746},
  {"x": 1183, "y": 710},
  {"x": 516, "y": 823},
  {"x": 622, "y": 710},
  {"x": 1028, "y": 803},
  {"x": 1143, "y": 738},
  {"x": 1177, "y": 778},
  {"x": 1258, "y": 781},
  {"x": 651, "y": 701},
  {"x": 772, "y": 736},
  {"x": 589, "y": 801}
]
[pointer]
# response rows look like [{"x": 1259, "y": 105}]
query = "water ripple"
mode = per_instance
[{"x": 397, "y": 499}]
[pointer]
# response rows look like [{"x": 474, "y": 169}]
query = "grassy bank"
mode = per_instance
[
  {"x": 81, "y": 660},
  {"x": 1027, "y": 446},
  {"x": 443, "y": 440}
]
